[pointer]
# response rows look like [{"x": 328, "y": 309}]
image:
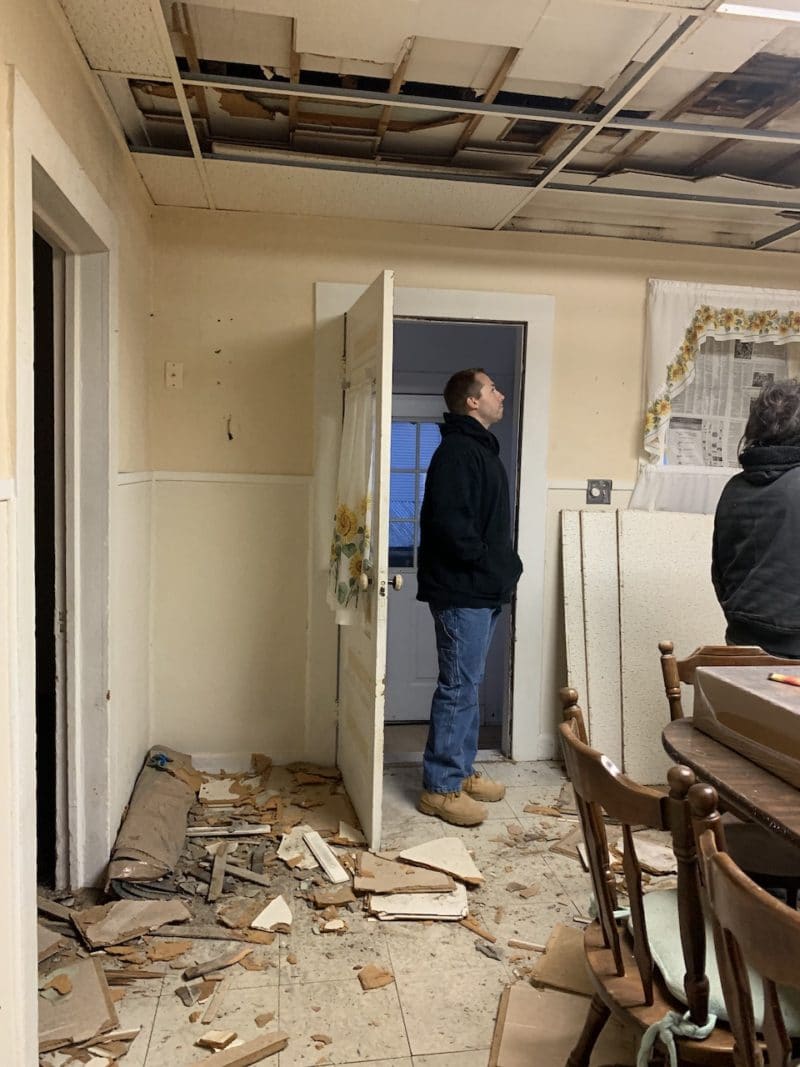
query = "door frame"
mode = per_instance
[
  {"x": 50, "y": 186},
  {"x": 530, "y": 727}
]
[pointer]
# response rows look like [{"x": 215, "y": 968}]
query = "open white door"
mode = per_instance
[{"x": 362, "y": 648}]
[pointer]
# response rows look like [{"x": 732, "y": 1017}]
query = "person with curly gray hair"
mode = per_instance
[{"x": 756, "y": 548}]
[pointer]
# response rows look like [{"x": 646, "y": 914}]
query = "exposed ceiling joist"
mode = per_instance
[
  {"x": 180, "y": 95},
  {"x": 493, "y": 89},
  {"x": 617, "y": 102},
  {"x": 395, "y": 85}
]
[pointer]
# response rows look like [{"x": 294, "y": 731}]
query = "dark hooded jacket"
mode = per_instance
[
  {"x": 466, "y": 553},
  {"x": 756, "y": 551}
]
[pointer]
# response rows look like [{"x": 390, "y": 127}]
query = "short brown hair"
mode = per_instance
[
  {"x": 774, "y": 416},
  {"x": 462, "y": 384}
]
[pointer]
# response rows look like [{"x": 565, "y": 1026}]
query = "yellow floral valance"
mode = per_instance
[{"x": 679, "y": 320}]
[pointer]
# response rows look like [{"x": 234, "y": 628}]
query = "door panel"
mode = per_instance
[{"x": 362, "y": 645}]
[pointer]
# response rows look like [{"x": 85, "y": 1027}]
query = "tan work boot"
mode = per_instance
[
  {"x": 480, "y": 788},
  {"x": 456, "y": 808}
]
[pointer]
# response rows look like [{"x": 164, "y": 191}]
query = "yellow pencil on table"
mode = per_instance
[{"x": 787, "y": 679}]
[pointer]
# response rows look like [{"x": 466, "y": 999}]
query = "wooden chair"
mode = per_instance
[
  {"x": 675, "y": 670},
  {"x": 622, "y": 963},
  {"x": 755, "y": 932},
  {"x": 770, "y": 862}
]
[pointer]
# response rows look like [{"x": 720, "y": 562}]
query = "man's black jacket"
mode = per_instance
[
  {"x": 756, "y": 551},
  {"x": 466, "y": 553}
]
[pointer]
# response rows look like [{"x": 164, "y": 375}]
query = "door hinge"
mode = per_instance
[{"x": 61, "y": 622}]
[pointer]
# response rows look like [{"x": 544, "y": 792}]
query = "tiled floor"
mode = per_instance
[{"x": 441, "y": 1009}]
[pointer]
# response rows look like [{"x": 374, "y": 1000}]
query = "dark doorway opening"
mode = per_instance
[{"x": 47, "y": 484}]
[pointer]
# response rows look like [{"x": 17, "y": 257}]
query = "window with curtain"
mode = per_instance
[{"x": 708, "y": 351}]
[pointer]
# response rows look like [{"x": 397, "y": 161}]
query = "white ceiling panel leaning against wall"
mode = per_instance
[{"x": 666, "y": 119}]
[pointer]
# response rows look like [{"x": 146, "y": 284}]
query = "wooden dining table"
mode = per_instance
[{"x": 746, "y": 789}]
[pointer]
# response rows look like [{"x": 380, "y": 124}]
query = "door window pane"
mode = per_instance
[
  {"x": 402, "y": 499},
  {"x": 404, "y": 445},
  {"x": 429, "y": 438},
  {"x": 413, "y": 444}
]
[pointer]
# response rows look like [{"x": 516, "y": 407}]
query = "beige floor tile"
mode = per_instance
[
  {"x": 531, "y": 775},
  {"x": 173, "y": 1036},
  {"x": 364, "y": 1026},
  {"x": 137, "y": 1009},
  {"x": 450, "y": 1011},
  {"x": 477, "y": 1058},
  {"x": 332, "y": 957},
  {"x": 415, "y": 948}
]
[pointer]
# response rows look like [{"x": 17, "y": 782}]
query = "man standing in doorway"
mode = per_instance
[{"x": 468, "y": 569}]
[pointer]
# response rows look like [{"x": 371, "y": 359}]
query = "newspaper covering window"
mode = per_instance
[{"x": 708, "y": 418}]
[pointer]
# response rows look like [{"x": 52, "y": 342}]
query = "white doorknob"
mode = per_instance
[
  {"x": 397, "y": 581},
  {"x": 363, "y": 581}
]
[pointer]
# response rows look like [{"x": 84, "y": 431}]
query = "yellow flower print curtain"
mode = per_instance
[
  {"x": 351, "y": 553},
  {"x": 681, "y": 315}
]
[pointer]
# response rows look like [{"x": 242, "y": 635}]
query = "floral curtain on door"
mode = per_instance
[{"x": 351, "y": 545}]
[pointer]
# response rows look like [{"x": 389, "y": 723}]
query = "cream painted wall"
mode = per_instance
[
  {"x": 37, "y": 45},
  {"x": 233, "y": 302},
  {"x": 230, "y": 590}
]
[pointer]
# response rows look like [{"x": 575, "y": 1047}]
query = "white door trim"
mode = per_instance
[
  {"x": 49, "y": 181},
  {"x": 528, "y": 741}
]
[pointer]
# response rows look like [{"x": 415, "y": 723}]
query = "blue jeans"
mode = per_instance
[{"x": 463, "y": 636}]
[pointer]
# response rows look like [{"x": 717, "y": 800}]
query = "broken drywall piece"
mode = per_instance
[
  {"x": 563, "y": 963},
  {"x": 377, "y": 875},
  {"x": 218, "y": 963},
  {"x": 216, "y": 1039},
  {"x": 242, "y": 1055},
  {"x": 276, "y": 915},
  {"x": 84, "y": 1013},
  {"x": 219, "y": 791},
  {"x": 111, "y": 924},
  {"x": 348, "y": 835},
  {"x": 448, "y": 854},
  {"x": 653, "y": 857},
  {"x": 550, "y": 1022},
  {"x": 49, "y": 942},
  {"x": 374, "y": 977},
  {"x": 334, "y": 871},
  {"x": 294, "y": 851},
  {"x": 238, "y": 913},
  {"x": 446, "y": 906},
  {"x": 336, "y": 895}
]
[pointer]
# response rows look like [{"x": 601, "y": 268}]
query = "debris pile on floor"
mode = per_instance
[{"x": 227, "y": 857}]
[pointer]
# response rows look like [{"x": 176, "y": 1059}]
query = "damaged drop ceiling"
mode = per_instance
[{"x": 667, "y": 120}]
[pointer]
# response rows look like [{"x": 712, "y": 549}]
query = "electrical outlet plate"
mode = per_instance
[{"x": 598, "y": 491}]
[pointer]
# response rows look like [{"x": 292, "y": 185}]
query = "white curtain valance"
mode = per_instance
[{"x": 681, "y": 315}]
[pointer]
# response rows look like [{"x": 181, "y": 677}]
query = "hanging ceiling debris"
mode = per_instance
[{"x": 657, "y": 119}]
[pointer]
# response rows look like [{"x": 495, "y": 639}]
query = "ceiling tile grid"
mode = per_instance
[{"x": 380, "y": 108}]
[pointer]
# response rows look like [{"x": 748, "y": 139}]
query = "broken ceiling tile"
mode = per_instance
[
  {"x": 374, "y": 977},
  {"x": 276, "y": 914},
  {"x": 447, "y": 854},
  {"x": 122, "y": 920},
  {"x": 446, "y": 906},
  {"x": 294, "y": 851},
  {"x": 83, "y": 1013},
  {"x": 378, "y": 875}
]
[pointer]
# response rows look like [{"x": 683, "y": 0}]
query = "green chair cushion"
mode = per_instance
[{"x": 661, "y": 914}]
